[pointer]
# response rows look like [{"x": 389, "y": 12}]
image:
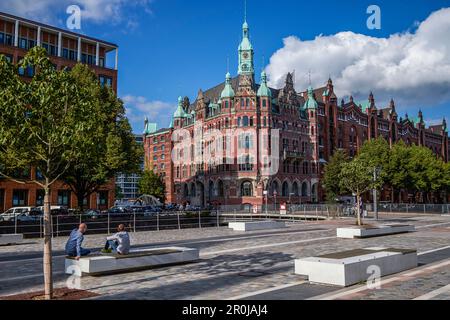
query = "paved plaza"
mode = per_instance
[{"x": 247, "y": 265}]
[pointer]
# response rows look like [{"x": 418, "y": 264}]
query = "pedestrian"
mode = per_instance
[{"x": 73, "y": 245}]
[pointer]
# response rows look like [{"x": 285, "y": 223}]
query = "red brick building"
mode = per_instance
[
  {"x": 65, "y": 49},
  {"x": 243, "y": 118}
]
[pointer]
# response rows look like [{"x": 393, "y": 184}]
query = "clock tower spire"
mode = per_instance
[{"x": 246, "y": 65}]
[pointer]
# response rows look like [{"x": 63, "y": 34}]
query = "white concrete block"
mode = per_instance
[
  {"x": 256, "y": 225},
  {"x": 10, "y": 239},
  {"x": 353, "y": 269},
  {"x": 137, "y": 259},
  {"x": 382, "y": 230}
]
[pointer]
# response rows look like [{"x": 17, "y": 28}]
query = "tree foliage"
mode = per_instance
[
  {"x": 153, "y": 185},
  {"x": 331, "y": 182},
  {"x": 43, "y": 123},
  {"x": 111, "y": 150}
]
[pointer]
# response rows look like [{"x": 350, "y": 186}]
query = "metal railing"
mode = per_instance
[{"x": 107, "y": 223}]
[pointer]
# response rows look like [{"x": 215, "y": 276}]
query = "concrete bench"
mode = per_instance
[
  {"x": 6, "y": 239},
  {"x": 383, "y": 230},
  {"x": 351, "y": 267},
  {"x": 136, "y": 260},
  {"x": 256, "y": 225}
]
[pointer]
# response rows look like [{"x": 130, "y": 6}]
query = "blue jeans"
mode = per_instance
[
  {"x": 83, "y": 252},
  {"x": 111, "y": 244}
]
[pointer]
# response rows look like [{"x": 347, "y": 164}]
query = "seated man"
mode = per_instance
[
  {"x": 73, "y": 245},
  {"x": 118, "y": 243}
]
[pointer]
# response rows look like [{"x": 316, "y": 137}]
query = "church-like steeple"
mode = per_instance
[{"x": 246, "y": 65}]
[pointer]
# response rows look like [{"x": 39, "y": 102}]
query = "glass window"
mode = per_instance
[
  {"x": 103, "y": 198},
  {"x": 9, "y": 40},
  {"x": 63, "y": 198},
  {"x": 40, "y": 194},
  {"x": 23, "y": 43},
  {"x": 2, "y": 38},
  {"x": 246, "y": 189},
  {"x": 65, "y": 53},
  {"x": 20, "y": 198}
]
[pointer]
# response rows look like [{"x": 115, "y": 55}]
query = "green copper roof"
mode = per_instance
[
  {"x": 364, "y": 105},
  {"x": 311, "y": 103},
  {"x": 180, "y": 111},
  {"x": 228, "y": 91},
  {"x": 264, "y": 90},
  {"x": 150, "y": 128}
]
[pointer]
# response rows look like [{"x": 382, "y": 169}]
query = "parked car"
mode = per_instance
[
  {"x": 57, "y": 210},
  {"x": 21, "y": 214},
  {"x": 171, "y": 207},
  {"x": 93, "y": 214},
  {"x": 120, "y": 211}
]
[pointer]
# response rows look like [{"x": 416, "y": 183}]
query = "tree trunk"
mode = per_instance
[
  {"x": 358, "y": 209},
  {"x": 48, "y": 276}
]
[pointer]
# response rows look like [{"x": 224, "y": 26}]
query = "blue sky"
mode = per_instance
[{"x": 170, "y": 48}]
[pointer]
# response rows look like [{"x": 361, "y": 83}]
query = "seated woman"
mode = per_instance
[{"x": 118, "y": 243}]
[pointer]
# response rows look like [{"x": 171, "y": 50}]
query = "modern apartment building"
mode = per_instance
[
  {"x": 65, "y": 49},
  {"x": 129, "y": 183}
]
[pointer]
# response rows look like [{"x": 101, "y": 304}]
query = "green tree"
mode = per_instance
[
  {"x": 333, "y": 169},
  {"x": 398, "y": 169},
  {"x": 111, "y": 150},
  {"x": 426, "y": 171},
  {"x": 41, "y": 124},
  {"x": 153, "y": 185},
  {"x": 118, "y": 192},
  {"x": 357, "y": 177}
]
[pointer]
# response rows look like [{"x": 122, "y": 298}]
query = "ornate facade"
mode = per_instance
[{"x": 243, "y": 117}]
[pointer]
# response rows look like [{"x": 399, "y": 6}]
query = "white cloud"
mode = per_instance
[
  {"x": 92, "y": 10},
  {"x": 139, "y": 107},
  {"x": 412, "y": 67}
]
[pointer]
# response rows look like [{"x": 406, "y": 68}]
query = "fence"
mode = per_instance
[
  {"x": 33, "y": 227},
  {"x": 338, "y": 210}
]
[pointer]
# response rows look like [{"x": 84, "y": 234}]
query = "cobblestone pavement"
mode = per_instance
[{"x": 235, "y": 263}]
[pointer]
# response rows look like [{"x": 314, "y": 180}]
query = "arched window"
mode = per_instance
[
  {"x": 295, "y": 189},
  {"x": 211, "y": 190},
  {"x": 304, "y": 189},
  {"x": 264, "y": 103},
  {"x": 220, "y": 190},
  {"x": 247, "y": 102},
  {"x": 239, "y": 121},
  {"x": 247, "y": 189},
  {"x": 245, "y": 121},
  {"x": 275, "y": 188},
  {"x": 285, "y": 189},
  {"x": 186, "y": 191},
  {"x": 193, "y": 190}
]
